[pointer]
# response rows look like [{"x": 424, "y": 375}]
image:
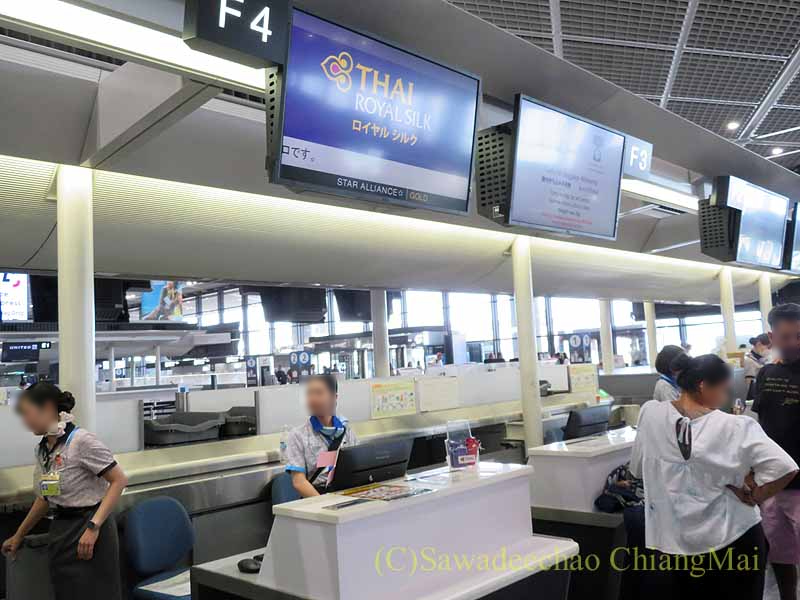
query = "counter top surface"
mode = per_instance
[
  {"x": 596, "y": 445},
  {"x": 542, "y": 552},
  {"x": 434, "y": 485}
]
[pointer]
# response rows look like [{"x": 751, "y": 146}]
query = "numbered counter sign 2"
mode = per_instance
[{"x": 250, "y": 32}]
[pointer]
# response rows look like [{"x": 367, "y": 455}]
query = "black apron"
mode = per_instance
[{"x": 74, "y": 579}]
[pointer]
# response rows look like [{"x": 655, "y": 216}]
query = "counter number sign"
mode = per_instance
[{"x": 251, "y": 32}]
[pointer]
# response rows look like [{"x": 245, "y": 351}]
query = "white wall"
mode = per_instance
[{"x": 221, "y": 400}]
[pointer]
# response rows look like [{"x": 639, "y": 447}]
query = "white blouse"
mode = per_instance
[{"x": 688, "y": 508}]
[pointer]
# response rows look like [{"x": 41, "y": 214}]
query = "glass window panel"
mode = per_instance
[
  {"x": 506, "y": 318},
  {"x": 207, "y": 319},
  {"x": 209, "y": 303},
  {"x": 705, "y": 338},
  {"x": 396, "y": 313},
  {"x": 575, "y": 314},
  {"x": 622, "y": 311},
  {"x": 703, "y": 320},
  {"x": 424, "y": 309},
  {"x": 666, "y": 336},
  {"x": 259, "y": 342},
  {"x": 233, "y": 315},
  {"x": 191, "y": 319},
  {"x": 284, "y": 335},
  {"x": 255, "y": 317},
  {"x": 471, "y": 315},
  {"x": 345, "y": 327},
  {"x": 232, "y": 299}
]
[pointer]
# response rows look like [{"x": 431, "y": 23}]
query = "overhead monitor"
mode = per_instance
[
  {"x": 762, "y": 229},
  {"x": 792, "y": 250},
  {"x": 566, "y": 172},
  {"x": 14, "y": 297},
  {"x": 365, "y": 119}
]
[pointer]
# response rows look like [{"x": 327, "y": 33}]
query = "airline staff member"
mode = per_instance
[
  {"x": 78, "y": 482},
  {"x": 323, "y": 432},
  {"x": 759, "y": 355},
  {"x": 667, "y": 386}
]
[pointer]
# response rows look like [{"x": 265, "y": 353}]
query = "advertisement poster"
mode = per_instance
[
  {"x": 164, "y": 303},
  {"x": 393, "y": 399},
  {"x": 363, "y": 118},
  {"x": 567, "y": 173},
  {"x": 13, "y": 297}
]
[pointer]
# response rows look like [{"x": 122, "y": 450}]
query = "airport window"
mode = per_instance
[
  {"x": 704, "y": 334},
  {"x": 630, "y": 339},
  {"x": 258, "y": 334},
  {"x": 396, "y": 312},
  {"x": 575, "y": 314},
  {"x": 284, "y": 336},
  {"x": 471, "y": 315},
  {"x": 209, "y": 310},
  {"x": 748, "y": 325},
  {"x": 425, "y": 309},
  {"x": 668, "y": 332}
]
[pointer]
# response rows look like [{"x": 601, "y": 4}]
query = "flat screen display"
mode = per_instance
[
  {"x": 762, "y": 232},
  {"x": 793, "y": 262},
  {"x": 19, "y": 352},
  {"x": 14, "y": 297},
  {"x": 365, "y": 119},
  {"x": 567, "y": 172}
]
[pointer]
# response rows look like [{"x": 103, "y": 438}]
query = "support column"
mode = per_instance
[
  {"x": 606, "y": 338},
  {"x": 158, "y": 365},
  {"x": 526, "y": 334},
  {"x": 76, "y": 332},
  {"x": 380, "y": 333},
  {"x": 132, "y": 371},
  {"x": 728, "y": 308},
  {"x": 112, "y": 359},
  {"x": 652, "y": 340},
  {"x": 765, "y": 298}
]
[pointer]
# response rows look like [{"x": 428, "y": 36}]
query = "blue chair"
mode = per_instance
[
  {"x": 283, "y": 490},
  {"x": 158, "y": 535}
]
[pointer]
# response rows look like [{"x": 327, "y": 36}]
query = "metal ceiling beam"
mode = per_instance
[
  {"x": 555, "y": 23},
  {"x": 791, "y": 69},
  {"x": 683, "y": 38}
]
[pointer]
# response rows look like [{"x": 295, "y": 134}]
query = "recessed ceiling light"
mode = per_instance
[
  {"x": 777, "y": 151},
  {"x": 733, "y": 125}
]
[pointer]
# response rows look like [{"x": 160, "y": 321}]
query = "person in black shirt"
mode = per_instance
[
  {"x": 777, "y": 402},
  {"x": 281, "y": 376}
]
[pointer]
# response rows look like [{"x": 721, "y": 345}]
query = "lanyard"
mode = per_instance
[
  {"x": 49, "y": 454},
  {"x": 670, "y": 381}
]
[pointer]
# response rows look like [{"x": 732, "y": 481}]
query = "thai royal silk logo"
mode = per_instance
[{"x": 338, "y": 69}]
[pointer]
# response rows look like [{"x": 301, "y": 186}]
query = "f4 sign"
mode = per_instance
[{"x": 251, "y": 32}]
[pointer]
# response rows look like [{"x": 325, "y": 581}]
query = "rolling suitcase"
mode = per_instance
[{"x": 28, "y": 577}]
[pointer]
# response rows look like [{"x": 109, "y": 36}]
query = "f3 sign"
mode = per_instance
[{"x": 250, "y": 32}]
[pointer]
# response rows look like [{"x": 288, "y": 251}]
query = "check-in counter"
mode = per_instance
[
  {"x": 570, "y": 475},
  {"x": 405, "y": 548}
]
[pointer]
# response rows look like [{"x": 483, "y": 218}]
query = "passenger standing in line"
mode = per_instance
[
  {"x": 777, "y": 401},
  {"x": 78, "y": 483},
  {"x": 758, "y": 356},
  {"x": 667, "y": 386},
  {"x": 705, "y": 472},
  {"x": 281, "y": 376},
  {"x": 323, "y": 432}
]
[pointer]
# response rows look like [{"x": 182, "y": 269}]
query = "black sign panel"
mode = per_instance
[
  {"x": 21, "y": 351},
  {"x": 251, "y": 32}
]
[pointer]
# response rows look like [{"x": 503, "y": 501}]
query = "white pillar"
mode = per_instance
[
  {"x": 606, "y": 338},
  {"x": 765, "y": 298},
  {"x": 132, "y": 371},
  {"x": 380, "y": 333},
  {"x": 158, "y": 365},
  {"x": 652, "y": 340},
  {"x": 112, "y": 359},
  {"x": 522, "y": 267},
  {"x": 728, "y": 308},
  {"x": 76, "y": 334}
]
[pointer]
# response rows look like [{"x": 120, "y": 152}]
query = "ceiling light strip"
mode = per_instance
[{"x": 80, "y": 26}]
